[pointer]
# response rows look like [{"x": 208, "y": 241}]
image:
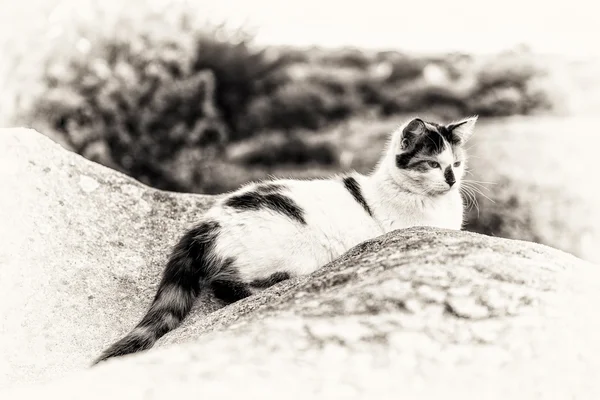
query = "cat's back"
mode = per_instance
[
  {"x": 333, "y": 206},
  {"x": 298, "y": 223},
  {"x": 336, "y": 201}
]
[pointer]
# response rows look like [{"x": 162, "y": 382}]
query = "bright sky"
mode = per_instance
[
  {"x": 559, "y": 26},
  {"x": 568, "y": 27}
]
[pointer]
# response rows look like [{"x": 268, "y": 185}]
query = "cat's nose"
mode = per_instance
[{"x": 449, "y": 176}]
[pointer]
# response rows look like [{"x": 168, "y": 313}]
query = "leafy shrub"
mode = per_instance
[
  {"x": 402, "y": 66},
  {"x": 144, "y": 94},
  {"x": 423, "y": 97},
  {"x": 133, "y": 108},
  {"x": 242, "y": 73},
  {"x": 498, "y": 101},
  {"x": 346, "y": 57},
  {"x": 292, "y": 150},
  {"x": 508, "y": 84},
  {"x": 301, "y": 105},
  {"x": 157, "y": 95},
  {"x": 507, "y": 70}
]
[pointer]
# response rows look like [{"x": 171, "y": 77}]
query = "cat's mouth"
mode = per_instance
[{"x": 447, "y": 189}]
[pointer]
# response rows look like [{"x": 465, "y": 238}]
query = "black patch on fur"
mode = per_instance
[
  {"x": 420, "y": 166},
  {"x": 185, "y": 265},
  {"x": 412, "y": 131},
  {"x": 252, "y": 201},
  {"x": 188, "y": 265},
  {"x": 230, "y": 291},
  {"x": 446, "y": 132},
  {"x": 129, "y": 344},
  {"x": 271, "y": 280},
  {"x": 433, "y": 142},
  {"x": 354, "y": 188},
  {"x": 429, "y": 143},
  {"x": 403, "y": 160},
  {"x": 228, "y": 286},
  {"x": 449, "y": 176}
]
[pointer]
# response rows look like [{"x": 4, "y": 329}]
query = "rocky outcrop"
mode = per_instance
[
  {"x": 418, "y": 313},
  {"x": 81, "y": 250}
]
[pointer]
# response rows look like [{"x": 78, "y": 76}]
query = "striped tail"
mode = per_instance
[{"x": 188, "y": 266}]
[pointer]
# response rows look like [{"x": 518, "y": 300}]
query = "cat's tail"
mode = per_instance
[{"x": 190, "y": 263}]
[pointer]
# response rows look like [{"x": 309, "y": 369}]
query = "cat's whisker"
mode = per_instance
[
  {"x": 466, "y": 190},
  {"x": 477, "y": 187},
  {"x": 469, "y": 189},
  {"x": 471, "y": 200},
  {"x": 478, "y": 191},
  {"x": 477, "y": 184},
  {"x": 475, "y": 203},
  {"x": 474, "y": 185},
  {"x": 467, "y": 198},
  {"x": 486, "y": 182}
]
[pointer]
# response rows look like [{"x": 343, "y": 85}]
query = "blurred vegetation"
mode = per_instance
[
  {"x": 156, "y": 94},
  {"x": 186, "y": 106}
]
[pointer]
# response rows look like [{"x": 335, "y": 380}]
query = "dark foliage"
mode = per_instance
[
  {"x": 293, "y": 151},
  {"x": 243, "y": 74},
  {"x": 152, "y": 103},
  {"x": 159, "y": 98}
]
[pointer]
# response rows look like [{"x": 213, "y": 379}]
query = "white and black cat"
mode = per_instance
[{"x": 267, "y": 232}]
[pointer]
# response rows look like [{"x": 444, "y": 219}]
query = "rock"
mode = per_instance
[
  {"x": 81, "y": 250},
  {"x": 417, "y": 313}
]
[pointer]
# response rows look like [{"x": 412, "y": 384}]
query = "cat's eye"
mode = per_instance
[
  {"x": 456, "y": 164},
  {"x": 433, "y": 164}
]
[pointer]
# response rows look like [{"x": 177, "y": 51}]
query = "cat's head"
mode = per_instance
[{"x": 427, "y": 157}]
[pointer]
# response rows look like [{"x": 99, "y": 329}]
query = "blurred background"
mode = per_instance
[{"x": 203, "y": 96}]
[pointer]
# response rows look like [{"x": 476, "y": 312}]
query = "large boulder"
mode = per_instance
[
  {"x": 417, "y": 313},
  {"x": 81, "y": 250}
]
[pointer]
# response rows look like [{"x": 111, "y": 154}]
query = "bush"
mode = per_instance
[
  {"x": 157, "y": 95},
  {"x": 424, "y": 97},
  {"x": 509, "y": 84},
  {"x": 292, "y": 150},
  {"x": 346, "y": 57},
  {"x": 243, "y": 74},
  {"x": 134, "y": 107},
  {"x": 402, "y": 66},
  {"x": 498, "y": 101},
  {"x": 145, "y": 93},
  {"x": 301, "y": 105}
]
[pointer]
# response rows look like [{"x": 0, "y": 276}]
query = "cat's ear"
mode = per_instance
[
  {"x": 463, "y": 129},
  {"x": 411, "y": 132}
]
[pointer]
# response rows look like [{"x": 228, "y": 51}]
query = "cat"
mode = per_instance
[{"x": 270, "y": 231}]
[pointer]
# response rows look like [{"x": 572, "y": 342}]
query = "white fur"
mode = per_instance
[{"x": 263, "y": 242}]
